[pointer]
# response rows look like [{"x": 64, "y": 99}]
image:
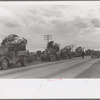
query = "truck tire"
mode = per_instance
[
  {"x": 24, "y": 62},
  {"x": 4, "y": 64}
]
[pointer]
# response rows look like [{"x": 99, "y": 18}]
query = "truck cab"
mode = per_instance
[{"x": 13, "y": 54}]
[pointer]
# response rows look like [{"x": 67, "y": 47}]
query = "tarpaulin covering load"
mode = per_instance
[{"x": 13, "y": 39}]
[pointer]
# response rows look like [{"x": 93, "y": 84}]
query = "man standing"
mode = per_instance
[{"x": 83, "y": 54}]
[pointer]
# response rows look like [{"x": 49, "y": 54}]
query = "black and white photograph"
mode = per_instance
[{"x": 49, "y": 42}]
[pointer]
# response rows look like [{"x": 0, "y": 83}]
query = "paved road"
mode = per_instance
[
  {"x": 70, "y": 68},
  {"x": 92, "y": 72}
]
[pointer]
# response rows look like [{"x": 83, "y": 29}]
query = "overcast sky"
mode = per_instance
[{"x": 68, "y": 24}]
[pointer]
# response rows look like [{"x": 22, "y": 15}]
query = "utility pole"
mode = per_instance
[{"x": 48, "y": 38}]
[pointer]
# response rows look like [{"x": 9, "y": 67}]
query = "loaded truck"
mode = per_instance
[
  {"x": 95, "y": 53},
  {"x": 51, "y": 53},
  {"x": 13, "y": 53},
  {"x": 66, "y": 53}
]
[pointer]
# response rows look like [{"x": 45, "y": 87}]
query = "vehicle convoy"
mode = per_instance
[
  {"x": 13, "y": 51},
  {"x": 95, "y": 54}
]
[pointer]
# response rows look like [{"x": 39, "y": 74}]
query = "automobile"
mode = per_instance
[
  {"x": 11, "y": 54},
  {"x": 95, "y": 54}
]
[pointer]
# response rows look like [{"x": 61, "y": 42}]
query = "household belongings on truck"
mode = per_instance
[{"x": 13, "y": 39}]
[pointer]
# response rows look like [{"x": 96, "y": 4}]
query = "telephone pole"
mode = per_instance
[{"x": 48, "y": 38}]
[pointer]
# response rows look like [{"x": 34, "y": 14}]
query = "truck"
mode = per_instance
[
  {"x": 95, "y": 54},
  {"x": 13, "y": 53},
  {"x": 51, "y": 53},
  {"x": 10, "y": 55},
  {"x": 66, "y": 52}
]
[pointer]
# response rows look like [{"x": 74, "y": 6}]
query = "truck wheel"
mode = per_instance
[
  {"x": 4, "y": 64},
  {"x": 24, "y": 62}
]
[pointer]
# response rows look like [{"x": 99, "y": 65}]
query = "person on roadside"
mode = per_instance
[{"x": 83, "y": 54}]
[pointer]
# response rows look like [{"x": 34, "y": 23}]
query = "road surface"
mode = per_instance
[{"x": 70, "y": 68}]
